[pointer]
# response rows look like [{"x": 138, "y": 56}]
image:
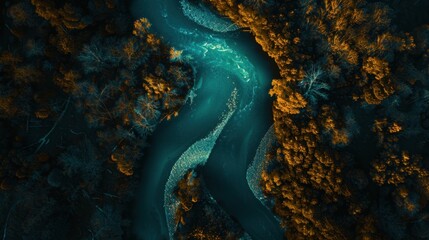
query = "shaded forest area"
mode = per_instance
[
  {"x": 198, "y": 215},
  {"x": 351, "y": 114},
  {"x": 82, "y": 86}
]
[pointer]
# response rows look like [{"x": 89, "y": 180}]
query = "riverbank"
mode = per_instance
[
  {"x": 223, "y": 62},
  {"x": 83, "y": 85},
  {"x": 350, "y": 115}
]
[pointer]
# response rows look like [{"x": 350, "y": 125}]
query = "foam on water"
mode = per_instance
[
  {"x": 220, "y": 65},
  {"x": 254, "y": 172},
  {"x": 196, "y": 154},
  {"x": 205, "y": 50},
  {"x": 259, "y": 164},
  {"x": 214, "y": 53},
  {"x": 204, "y": 17}
]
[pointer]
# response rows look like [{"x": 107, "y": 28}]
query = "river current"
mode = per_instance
[{"x": 227, "y": 114}]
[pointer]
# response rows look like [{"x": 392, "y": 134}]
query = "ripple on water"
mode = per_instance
[
  {"x": 197, "y": 154},
  {"x": 210, "y": 53},
  {"x": 204, "y": 17}
]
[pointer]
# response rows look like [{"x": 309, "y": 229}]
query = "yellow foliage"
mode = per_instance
[
  {"x": 123, "y": 165},
  {"x": 141, "y": 27},
  {"x": 394, "y": 170},
  {"x": 376, "y": 67},
  {"x": 287, "y": 102},
  {"x": 152, "y": 40},
  {"x": 156, "y": 87},
  {"x": 395, "y": 128},
  {"x": 42, "y": 113},
  {"x": 307, "y": 163},
  {"x": 125, "y": 168},
  {"x": 66, "y": 16},
  {"x": 70, "y": 19},
  {"x": 175, "y": 54},
  {"x": 129, "y": 49},
  {"x": 340, "y": 137}
]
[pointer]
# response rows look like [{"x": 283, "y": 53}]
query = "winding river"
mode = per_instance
[{"x": 227, "y": 114}]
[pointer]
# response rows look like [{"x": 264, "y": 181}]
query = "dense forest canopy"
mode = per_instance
[
  {"x": 82, "y": 87},
  {"x": 350, "y": 114}
]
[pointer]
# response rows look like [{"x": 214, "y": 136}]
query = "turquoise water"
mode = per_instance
[
  {"x": 197, "y": 154},
  {"x": 225, "y": 118}
]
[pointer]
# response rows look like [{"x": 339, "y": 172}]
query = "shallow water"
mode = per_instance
[{"x": 223, "y": 62}]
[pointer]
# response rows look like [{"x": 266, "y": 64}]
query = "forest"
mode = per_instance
[
  {"x": 82, "y": 87},
  {"x": 198, "y": 215},
  {"x": 350, "y": 114}
]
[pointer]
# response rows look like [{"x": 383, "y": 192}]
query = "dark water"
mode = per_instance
[{"x": 223, "y": 62}]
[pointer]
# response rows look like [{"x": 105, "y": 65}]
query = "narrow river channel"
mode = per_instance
[{"x": 230, "y": 67}]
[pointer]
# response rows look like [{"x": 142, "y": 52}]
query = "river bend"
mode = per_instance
[{"x": 227, "y": 114}]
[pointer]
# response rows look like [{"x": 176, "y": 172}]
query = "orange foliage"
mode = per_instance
[
  {"x": 42, "y": 113},
  {"x": 141, "y": 27},
  {"x": 287, "y": 101},
  {"x": 175, "y": 54},
  {"x": 67, "y": 81},
  {"x": 123, "y": 165},
  {"x": 376, "y": 67},
  {"x": 156, "y": 87},
  {"x": 67, "y": 16},
  {"x": 200, "y": 234},
  {"x": 188, "y": 193},
  {"x": 394, "y": 166},
  {"x": 311, "y": 172}
]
